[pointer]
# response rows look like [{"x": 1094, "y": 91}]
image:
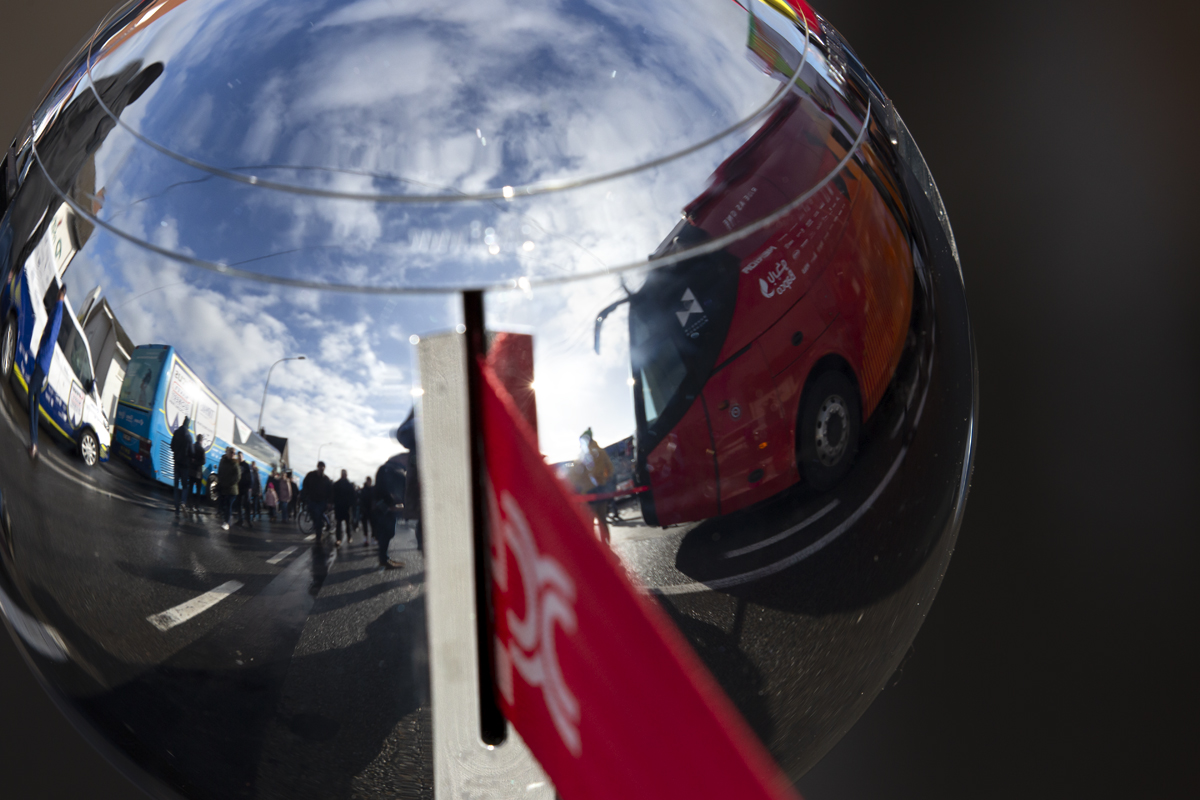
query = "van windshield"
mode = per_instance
[{"x": 70, "y": 341}]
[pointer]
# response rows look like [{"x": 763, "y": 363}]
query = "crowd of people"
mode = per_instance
[{"x": 243, "y": 495}]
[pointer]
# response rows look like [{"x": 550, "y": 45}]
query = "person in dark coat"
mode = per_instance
[
  {"x": 317, "y": 492},
  {"x": 343, "y": 499},
  {"x": 181, "y": 456},
  {"x": 196, "y": 462},
  {"x": 364, "y": 509},
  {"x": 41, "y": 365},
  {"x": 244, "y": 481},
  {"x": 228, "y": 474},
  {"x": 255, "y": 492},
  {"x": 295, "y": 490},
  {"x": 407, "y": 436},
  {"x": 387, "y": 503}
]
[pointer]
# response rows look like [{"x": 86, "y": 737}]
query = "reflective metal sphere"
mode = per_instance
[{"x": 715, "y": 274}]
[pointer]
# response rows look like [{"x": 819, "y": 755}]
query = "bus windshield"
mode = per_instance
[
  {"x": 678, "y": 323},
  {"x": 141, "y": 377},
  {"x": 662, "y": 368}
]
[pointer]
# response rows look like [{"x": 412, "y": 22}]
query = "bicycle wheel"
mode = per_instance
[{"x": 304, "y": 522}]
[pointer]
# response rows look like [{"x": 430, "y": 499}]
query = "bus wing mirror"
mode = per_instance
[{"x": 604, "y": 315}]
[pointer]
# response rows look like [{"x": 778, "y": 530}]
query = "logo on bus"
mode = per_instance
[{"x": 777, "y": 281}]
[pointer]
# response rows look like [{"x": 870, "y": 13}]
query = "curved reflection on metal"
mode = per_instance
[
  {"x": 507, "y": 193},
  {"x": 774, "y": 432}
]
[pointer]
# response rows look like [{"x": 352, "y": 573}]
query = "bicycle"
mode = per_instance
[{"x": 304, "y": 520}]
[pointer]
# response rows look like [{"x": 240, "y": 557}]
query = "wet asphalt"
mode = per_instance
[{"x": 310, "y": 678}]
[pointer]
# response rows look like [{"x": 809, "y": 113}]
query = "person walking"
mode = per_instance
[
  {"x": 196, "y": 459},
  {"x": 406, "y": 434},
  {"x": 387, "y": 496},
  {"x": 295, "y": 493},
  {"x": 228, "y": 475},
  {"x": 270, "y": 500},
  {"x": 343, "y": 499},
  {"x": 592, "y": 474},
  {"x": 181, "y": 456},
  {"x": 255, "y": 492},
  {"x": 41, "y": 365},
  {"x": 243, "y": 504},
  {"x": 317, "y": 492},
  {"x": 283, "y": 488},
  {"x": 364, "y": 509}
]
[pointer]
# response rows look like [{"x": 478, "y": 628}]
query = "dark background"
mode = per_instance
[{"x": 1058, "y": 660}]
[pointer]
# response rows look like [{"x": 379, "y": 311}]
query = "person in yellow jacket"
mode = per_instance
[{"x": 592, "y": 473}]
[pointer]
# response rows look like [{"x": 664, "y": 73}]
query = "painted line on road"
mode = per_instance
[
  {"x": 794, "y": 558},
  {"x": 281, "y": 555},
  {"x": 184, "y": 611},
  {"x": 310, "y": 537},
  {"x": 750, "y": 548}
]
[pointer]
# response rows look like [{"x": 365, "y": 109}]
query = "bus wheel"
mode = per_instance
[
  {"x": 8, "y": 347},
  {"x": 89, "y": 448},
  {"x": 827, "y": 436}
]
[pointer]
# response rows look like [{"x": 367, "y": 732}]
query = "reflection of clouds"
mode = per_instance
[
  {"x": 353, "y": 389},
  {"x": 468, "y": 96},
  {"x": 415, "y": 90}
]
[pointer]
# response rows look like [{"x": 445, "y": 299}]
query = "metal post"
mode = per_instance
[
  {"x": 263, "y": 405},
  {"x": 464, "y": 766}
]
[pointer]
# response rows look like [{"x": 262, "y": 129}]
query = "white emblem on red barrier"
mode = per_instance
[{"x": 549, "y": 601}]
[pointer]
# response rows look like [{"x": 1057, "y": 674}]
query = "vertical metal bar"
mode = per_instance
[
  {"x": 464, "y": 766},
  {"x": 492, "y": 724}
]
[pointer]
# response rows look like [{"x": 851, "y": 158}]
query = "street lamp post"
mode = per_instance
[
  {"x": 262, "y": 406},
  {"x": 322, "y": 447}
]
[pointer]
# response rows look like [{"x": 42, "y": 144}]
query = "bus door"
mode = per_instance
[{"x": 747, "y": 427}]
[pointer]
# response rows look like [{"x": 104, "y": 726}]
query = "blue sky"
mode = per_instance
[{"x": 406, "y": 98}]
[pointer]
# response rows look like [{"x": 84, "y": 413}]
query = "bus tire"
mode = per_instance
[
  {"x": 89, "y": 447},
  {"x": 8, "y": 348},
  {"x": 827, "y": 433}
]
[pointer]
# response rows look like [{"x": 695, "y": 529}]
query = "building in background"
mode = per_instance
[{"x": 111, "y": 348}]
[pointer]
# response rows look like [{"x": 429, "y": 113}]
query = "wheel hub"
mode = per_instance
[
  {"x": 88, "y": 446},
  {"x": 833, "y": 430}
]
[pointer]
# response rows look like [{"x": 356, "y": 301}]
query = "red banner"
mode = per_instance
[{"x": 592, "y": 673}]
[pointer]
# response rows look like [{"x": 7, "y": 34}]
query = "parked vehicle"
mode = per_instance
[
  {"x": 70, "y": 407},
  {"x": 755, "y": 366}
]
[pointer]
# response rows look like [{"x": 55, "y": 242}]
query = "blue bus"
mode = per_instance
[
  {"x": 158, "y": 392},
  {"x": 69, "y": 407}
]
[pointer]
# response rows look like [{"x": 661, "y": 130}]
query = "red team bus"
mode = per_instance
[{"x": 755, "y": 367}]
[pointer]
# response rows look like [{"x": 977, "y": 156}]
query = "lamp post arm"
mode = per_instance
[{"x": 262, "y": 406}]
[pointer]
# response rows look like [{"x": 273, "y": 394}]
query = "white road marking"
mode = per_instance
[
  {"x": 310, "y": 537},
  {"x": 184, "y": 611},
  {"x": 750, "y": 548},
  {"x": 794, "y": 558},
  {"x": 40, "y": 637},
  {"x": 281, "y": 555}
]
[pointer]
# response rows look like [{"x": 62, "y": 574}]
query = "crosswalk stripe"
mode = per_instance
[
  {"x": 280, "y": 556},
  {"x": 181, "y": 613}
]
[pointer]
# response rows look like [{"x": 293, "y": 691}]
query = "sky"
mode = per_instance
[{"x": 390, "y": 98}]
